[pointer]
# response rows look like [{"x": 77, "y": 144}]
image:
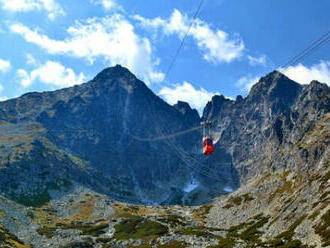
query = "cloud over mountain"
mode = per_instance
[
  {"x": 304, "y": 74},
  {"x": 216, "y": 45},
  {"x": 110, "y": 38},
  {"x": 188, "y": 93},
  {"x": 52, "y": 73}
]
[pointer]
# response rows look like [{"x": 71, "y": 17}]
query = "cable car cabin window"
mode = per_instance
[{"x": 209, "y": 142}]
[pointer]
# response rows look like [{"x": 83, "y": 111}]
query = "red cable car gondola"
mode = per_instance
[{"x": 208, "y": 146}]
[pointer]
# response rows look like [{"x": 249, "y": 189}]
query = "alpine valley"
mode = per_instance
[{"x": 110, "y": 164}]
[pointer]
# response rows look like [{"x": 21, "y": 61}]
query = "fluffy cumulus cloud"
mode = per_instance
[
  {"x": 254, "y": 61},
  {"x": 52, "y": 8},
  {"x": 304, "y": 75},
  {"x": 215, "y": 44},
  {"x": 4, "y": 65},
  {"x": 111, "y": 38},
  {"x": 107, "y": 4},
  {"x": 197, "y": 98},
  {"x": 30, "y": 60},
  {"x": 246, "y": 83},
  {"x": 52, "y": 73}
]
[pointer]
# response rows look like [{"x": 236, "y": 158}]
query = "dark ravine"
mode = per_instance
[{"x": 66, "y": 155}]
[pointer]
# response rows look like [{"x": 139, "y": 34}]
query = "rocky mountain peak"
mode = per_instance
[
  {"x": 66, "y": 154},
  {"x": 183, "y": 107},
  {"x": 118, "y": 76},
  {"x": 112, "y": 72},
  {"x": 239, "y": 98},
  {"x": 275, "y": 89},
  {"x": 214, "y": 106},
  {"x": 316, "y": 86},
  {"x": 189, "y": 113}
]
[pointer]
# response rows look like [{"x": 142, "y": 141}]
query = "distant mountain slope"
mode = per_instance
[
  {"x": 65, "y": 155},
  {"x": 262, "y": 130},
  {"x": 95, "y": 135}
]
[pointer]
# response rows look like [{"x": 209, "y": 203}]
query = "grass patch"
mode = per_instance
[
  {"x": 86, "y": 229},
  {"x": 323, "y": 229},
  {"x": 103, "y": 240},
  {"x": 78, "y": 245},
  {"x": 33, "y": 200},
  {"x": 200, "y": 231},
  {"x": 224, "y": 243},
  {"x": 287, "y": 235},
  {"x": 286, "y": 187},
  {"x": 8, "y": 240},
  {"x": 252, "y": 234},
  {"x": 136, "y": 227},
  {"x": 201, "y": 212},
  {"x": 274, "y": 220},
  {"x": 174, "y": 244},
  {"x": 314, "y": 215},
  {"x": 46, "y": 231},
  {"x": 227, "y": 206},
  {"x": 247, "y": 198},
  {"x": 173, "y": 220},
  {"x": 236, "y": 200}
]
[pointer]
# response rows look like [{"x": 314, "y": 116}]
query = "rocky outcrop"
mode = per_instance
[
  {"x": 260, "y": 131},
  {"x": 65, "y": 155},
  {"x": 101, "y": 134}
]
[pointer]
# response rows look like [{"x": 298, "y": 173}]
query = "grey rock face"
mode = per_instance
[
  {"x": 68, "y": 153},
  {"x": 103, "y": 134},
  {"x": 107, "y": 135},
  {"x": 258, "y": 131}
]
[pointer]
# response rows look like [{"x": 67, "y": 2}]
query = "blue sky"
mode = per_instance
[{"x": 51, "y": 44}]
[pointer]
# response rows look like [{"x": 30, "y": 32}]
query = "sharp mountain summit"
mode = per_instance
[{"x": 78, "y": 165}]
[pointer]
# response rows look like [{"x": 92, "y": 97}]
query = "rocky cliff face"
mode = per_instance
[
  {"x": 65, "y": 155},
  {"x": 105, "y": 135},
  {"x": 261, "y": 131}
]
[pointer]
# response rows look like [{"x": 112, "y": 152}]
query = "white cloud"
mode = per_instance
[
  {"x": 24, "y": 77},
  {"x": 4, "y": 65},
  {"x": 111, "y": 38},
  {"x": 1, "y": 87},
  {"x": 215, "y": 43},
  {"x": 52, "y": 8},
  {"x": 52, "y": 73},
  {"x": 304, "y": 75},
  {"x": 197, "y": 98},
  {"x": 107, "y": 4},
  {"x": 253, "y": 61},
  {"x": 246, "y": 83},
  {"x": 30, "y": 60}
]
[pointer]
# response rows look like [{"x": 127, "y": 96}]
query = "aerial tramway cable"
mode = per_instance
[
  {"x": 184, "y": 156},
  {"x": 321, "y": 41},
  {"x": 167, "y": 136},
  {"x": 183, "y": 40}
]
